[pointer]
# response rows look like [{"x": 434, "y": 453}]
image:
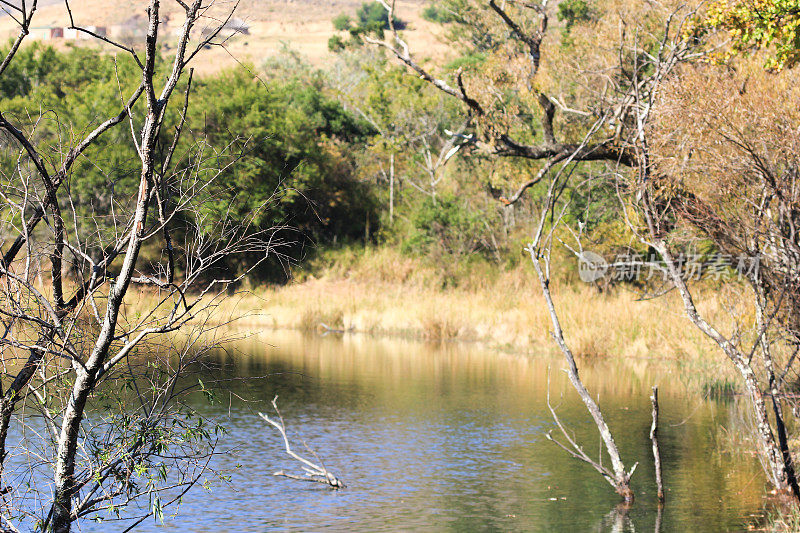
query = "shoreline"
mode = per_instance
[
  {"x": 597, "y": 325},
  {"x": 381, "y": 293}
]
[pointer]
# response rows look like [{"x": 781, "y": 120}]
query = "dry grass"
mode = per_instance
[
  {"x": 595, "y": 324},
  {"x": 384, "y": 293}
]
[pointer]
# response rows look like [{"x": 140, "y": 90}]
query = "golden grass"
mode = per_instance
[
  {"x": 382, "y": 292},
  {"x": 595, "y": 324}
]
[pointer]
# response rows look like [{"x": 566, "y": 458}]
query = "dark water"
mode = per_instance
[{"x": 451, "y": 437}]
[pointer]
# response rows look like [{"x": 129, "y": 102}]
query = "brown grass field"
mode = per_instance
[{"x": 385, "y": 293}]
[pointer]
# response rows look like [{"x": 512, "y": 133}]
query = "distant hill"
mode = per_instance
[{"x": 268, "y": 25}]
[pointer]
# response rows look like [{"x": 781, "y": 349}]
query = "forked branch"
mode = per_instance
[
  {"x": 574, "y": 449},
  {"x": 315, "y": 473},
  {"x": 402, "y": 51}
]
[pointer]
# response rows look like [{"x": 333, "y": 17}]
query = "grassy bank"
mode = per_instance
[{"x": 382, "y": 292}]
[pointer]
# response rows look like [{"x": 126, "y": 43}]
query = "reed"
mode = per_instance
[
  {"x": 785, "y": 519},
  {"x": 382, "y": 292}
]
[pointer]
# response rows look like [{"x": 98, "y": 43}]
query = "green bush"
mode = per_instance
[
  {"x": 336, "y": 44},
  {"x": 372, "y": 15},
  {"x": 445, "y": 226},
  {"x": 573, "y": 11},
  {"x": 295, "y": 148},
  {"x": 437, "y": 15},
  {"x": 342, "y": 22},
  {"x": 371, "y": 19},
  {"x": 468, "y": 61}
]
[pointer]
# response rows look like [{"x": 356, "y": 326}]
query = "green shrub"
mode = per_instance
[
  {"x": 371, "y": 19},
  {"x": 468, "y": 61},
  {"x": 336, "y": 44},
  {"x": 372, "y": 15},
  {"x": 445, "y": 226},
  {"x": 437, "y": 15},
  {"x": 342, "y": 22},
  {"x": 572, "y": 11}
]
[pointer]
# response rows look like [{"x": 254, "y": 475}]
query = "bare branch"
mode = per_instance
[{"x": 313, "y": 472}]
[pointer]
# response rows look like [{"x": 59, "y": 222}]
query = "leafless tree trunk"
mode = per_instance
[
  {"x": 83, "y": 347},
  {"x": 539, "y": 251},
  {"x": 656, "y": 450}
]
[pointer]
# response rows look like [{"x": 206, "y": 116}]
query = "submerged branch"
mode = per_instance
[
  {"x": 656, "y": 448},
  {"x": 313, "y": 472}
]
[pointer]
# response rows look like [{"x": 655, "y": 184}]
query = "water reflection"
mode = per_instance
[{"x": 452, "y": 438}]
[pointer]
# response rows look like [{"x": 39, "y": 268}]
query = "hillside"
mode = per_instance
[{"x": 304, "y": 25}]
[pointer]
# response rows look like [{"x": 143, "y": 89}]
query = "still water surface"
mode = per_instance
[{"x": 452, "y": 437}]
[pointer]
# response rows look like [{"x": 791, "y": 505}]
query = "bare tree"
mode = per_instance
[
  {"x": 434, "y": 161},
  {"x": 88, "y": 424},
  {"x": 656, "y": 449},
  {"x": 540, "y": 250},
  {"x": 736, "y": 186}
]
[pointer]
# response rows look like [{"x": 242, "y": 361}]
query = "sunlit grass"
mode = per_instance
[{"x": 384, "y": 292}]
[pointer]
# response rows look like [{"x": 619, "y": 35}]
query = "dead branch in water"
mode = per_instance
[
  {"x": 656, "y": 449},
  {"x": 575, "y": 450},
  {"x": 313, "y": 472}
]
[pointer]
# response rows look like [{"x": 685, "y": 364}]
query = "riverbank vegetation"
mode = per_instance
[{"x": 382, "y": 291}]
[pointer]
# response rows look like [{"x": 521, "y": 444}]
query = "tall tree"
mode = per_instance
[
  {"x": 109, "y": 431},
  {"x": 559, "y": 103}
]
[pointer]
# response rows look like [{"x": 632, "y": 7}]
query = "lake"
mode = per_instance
[{"x": 434, "y": 437}]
